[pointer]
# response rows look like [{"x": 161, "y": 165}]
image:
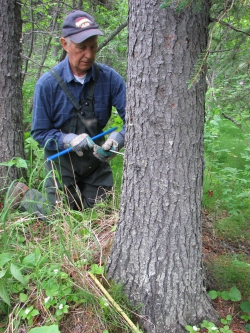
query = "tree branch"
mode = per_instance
[
  {"x": 114, "y": 33},
  {"x": 34, "y": 62},
  {"x": 230, "y": 26},
  {"x": 233, "y": 120}
]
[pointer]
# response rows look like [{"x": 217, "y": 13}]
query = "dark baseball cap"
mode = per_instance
[{"x": 79, "y": 26}]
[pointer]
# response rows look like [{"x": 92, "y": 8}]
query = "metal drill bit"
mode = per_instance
[{"x": 116, "y": 152}]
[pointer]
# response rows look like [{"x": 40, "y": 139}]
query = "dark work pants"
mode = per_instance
[{"x": 80, "y": 192}]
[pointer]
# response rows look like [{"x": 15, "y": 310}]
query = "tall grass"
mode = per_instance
[{"x": 44, "y": 265}]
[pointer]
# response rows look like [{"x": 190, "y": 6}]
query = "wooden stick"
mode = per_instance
[{"x": 115, "y": 305}]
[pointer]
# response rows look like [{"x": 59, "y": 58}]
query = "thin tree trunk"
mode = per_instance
[
  {"x": 48, "y": 41},
  {"x": 11, "y": 113},
  {"x": 31, "y": 44},
  {"x": 157, "y": 250},
  {"x": 47, "y": 45}
]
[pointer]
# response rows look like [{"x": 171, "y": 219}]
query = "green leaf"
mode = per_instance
[
  {"x": 45, "y": 329},
  {"x": 34, "y": 259},
  {"x": 235, "y": 294},
  {"x": 95, "y": 269},
  {"x": 15, "y": 271},
  {"x": 245, "y": 306},
  {"x": 2, "y": 273},
  {"x": 29, "y": 260},
  {"x": 225, "y": 295},
  {"x": 17, "y": 161},
  {"x": 34, "y": 312},
  {"x": 23, "y": 297},
  {"x": 189, "y": 328},
  {"x": 20, "y": 162},
  {"x": 4, "y": 293},
  {"x": 247, "y": 328},
  {"x": 4, "y": 257},
  {"x": 213, "y": 294},
  {"x": 245, "y": 317}
]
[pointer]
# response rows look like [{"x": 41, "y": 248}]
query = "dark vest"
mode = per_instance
[{"x": 83, "y": 120}]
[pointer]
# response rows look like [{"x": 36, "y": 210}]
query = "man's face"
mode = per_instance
[{"x": 81, "y": 56}]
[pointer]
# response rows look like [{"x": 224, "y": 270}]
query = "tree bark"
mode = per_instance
[
  {"x": 11, "y": 113},
  {"x": 157, "y": 249}
]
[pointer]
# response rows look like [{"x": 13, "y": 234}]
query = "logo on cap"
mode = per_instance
[{"x": 83, "y": 22}]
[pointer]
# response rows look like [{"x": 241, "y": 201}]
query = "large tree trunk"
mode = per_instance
[
  {"x": 157, "y": 249},
  {"x": 11, "y": 114}
]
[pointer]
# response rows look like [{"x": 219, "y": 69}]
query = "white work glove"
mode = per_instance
[
  {"x": 78, "y": 143},
  {"x": 114, "y": 142}
]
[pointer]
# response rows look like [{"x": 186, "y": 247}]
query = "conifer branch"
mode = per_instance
[
  {"x": 209, "y": 45},
  {"x": 233, "y": 120},
  {"x": 230, "y": 26}
]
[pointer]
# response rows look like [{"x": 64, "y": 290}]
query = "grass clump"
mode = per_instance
[
  {"x": 234, "y": 229},
  {"x": 228, "y": 271}
]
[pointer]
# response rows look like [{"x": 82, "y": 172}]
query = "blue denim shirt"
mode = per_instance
[{"x": 52, "y": 107}]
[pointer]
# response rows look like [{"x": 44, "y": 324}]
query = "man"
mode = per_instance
[{"x": 69, "y": 116}]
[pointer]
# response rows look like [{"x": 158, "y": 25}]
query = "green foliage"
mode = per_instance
[
  {"x": 227, "y": 181},
  {"x": 234, "y": 294},
  {"x": 181, "y": 4},
  {"x": 228, "y": 271},
  {"x": 95, "y": 269},
  {"x": 17, "y": 161},
  {"x": 210, "y": 327},
  {"x": 45, "y": 329},
  {"x": 10, "y": 269},
  {"x": 28, "y": 314},
  {"x": 228, "y": 63},
  {"x": 245, "y": 307},
  {"x": 117, "y": 169},
  {"x": 234, "y": 228},
  {"x": 49, "y": 271},
  {"x": 115, "y": 52}
]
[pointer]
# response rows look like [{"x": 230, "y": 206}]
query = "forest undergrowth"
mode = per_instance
[
  {"x": 57, "y": 259},
  {"x": 47, "y": 269}
]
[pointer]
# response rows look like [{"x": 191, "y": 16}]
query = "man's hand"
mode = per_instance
[
  {"x": 78, "y": 143},
  {"x": 103, "y": 155},
  {"x": 114, "y": 142}
]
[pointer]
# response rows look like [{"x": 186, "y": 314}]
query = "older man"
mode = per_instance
[{"x": 72, "y": 103}]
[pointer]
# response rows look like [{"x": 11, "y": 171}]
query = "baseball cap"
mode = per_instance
[{"x": 79, "y": 26}]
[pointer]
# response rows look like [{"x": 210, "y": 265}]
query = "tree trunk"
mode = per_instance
[
  {"x": 11, "y": 113},
  {"x": 157, "y": 249}
]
